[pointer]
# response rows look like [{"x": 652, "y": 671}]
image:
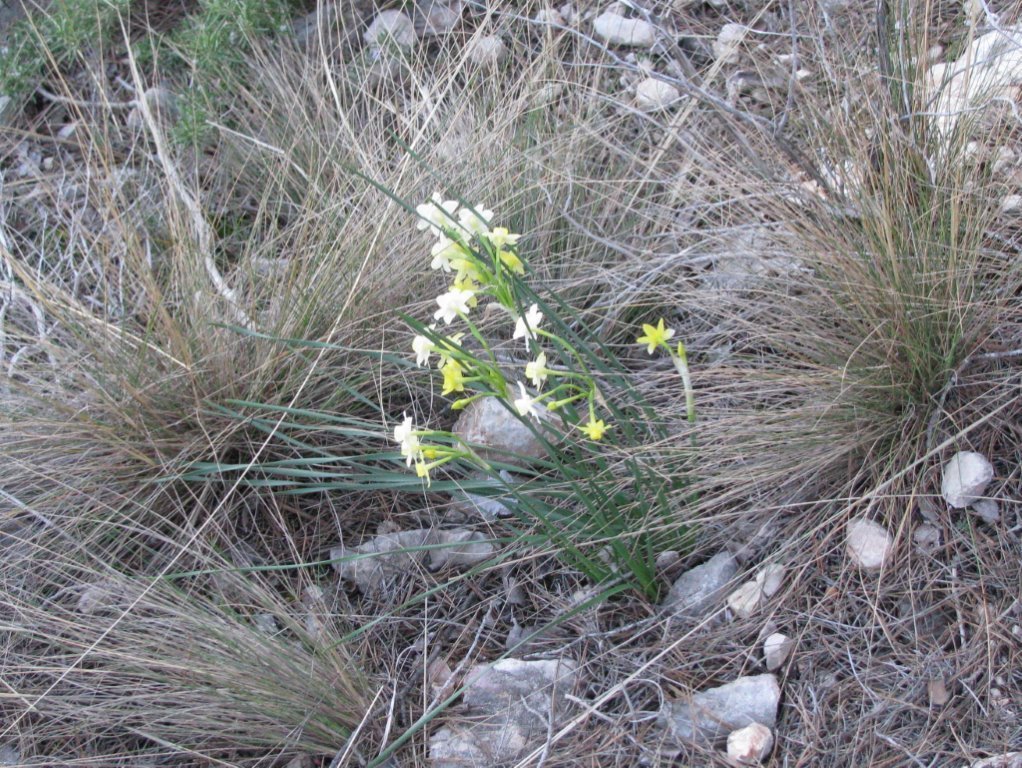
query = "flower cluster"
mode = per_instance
[{"x": 483, "y": 263}]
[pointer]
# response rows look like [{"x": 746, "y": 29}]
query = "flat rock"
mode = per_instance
[
  {"x": 388, "y": 556},
  {"x": 615, "y": 29},
  {"x": 868, "y": 544},
  {"x": 509, "y": 707},
  {"x": 746, "y": 600},
  {"x": 964, "y": 478},
  {"x": 776, "y": 649},
  {"x": 698, "y": 589},
  {"x": 652, "y": 94},
  {"x": 709, "y": 716}
]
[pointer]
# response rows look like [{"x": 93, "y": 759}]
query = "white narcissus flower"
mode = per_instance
[
  {"x": 536, "y": 371},
  {"x": 475, "y": 221},
  {"x": 404, "y": 434},
  {"x": 437, "y": 215},
  {"x": 525, "y": 405},
  {"x": 443, "y": 251},
  {"x": 423, "y": 347},
  {"x": 525, "y": 327},
  {"x": 453, "y": 303}
]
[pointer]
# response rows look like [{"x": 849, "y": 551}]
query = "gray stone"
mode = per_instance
[
  {"x": 652, "y": 94},
  {"x": 498, "y": 435},
  {"x": 868, "y": 544},
  {"x": 486, "y": 52},
  {"x": 392, "y": 27},
  {"x": 698, "y": 589},
  {"x": 509, "y": 705},
  {"x": 987, "y": 510},
  {"x": 965, "y": 477},
  {"x": 1007, "y": 760},
  {"x": 388, "y": 556},
  {"x": 776, "y": 649},
  {"x": 617, "y": 30},
  {"x": 709, "y": 716},
  {"x": 437, "y": 17},
  {"x": 10, "y": 755}
]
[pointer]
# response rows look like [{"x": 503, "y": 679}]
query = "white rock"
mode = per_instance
[
  {"x": 617, "y": 30},
  {"x": 10, "y": 755},
  {"x": 1011, "y": 203},
  {"x": 729, "y": 40},
  {"x": 548, "y": 16},
  {"x": 987, "y": 510},
  {"x": 1003, "y": 157},
  {"x": 750, "y": 745},
  {"x": 653, "y": 94},
  {"x": 926, "y": 539},
  {"x": 965, "y": 477},
  {"x": 776, "y": 649},
  {"x": 989, "y": 70},
  {"x": 391, "y": 26},
  {"x": 708, "y": 716},
  {"x": 699, "y": 588},
  {"x": 746, "y": 600},
  {"x": 511, "y": 703},
  {"x": 486, "y": 52},
  {"x": 1007, "y": 760},
  {"x": 567, "y": 12},
  {"x": 437, "y": 17},
  {"x": 869, "y": 545},
  {"x": 770, "y": 579}
]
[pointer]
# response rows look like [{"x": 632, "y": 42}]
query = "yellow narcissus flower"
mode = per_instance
[
  {"x": 655, "y": 335},
  {"x": 595, "y": 428},
  {"x": 511, "y": 261},
  {"x": 454, "y": 377}
]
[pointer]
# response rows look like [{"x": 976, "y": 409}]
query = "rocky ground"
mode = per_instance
[{"x": 830, "y": 611}]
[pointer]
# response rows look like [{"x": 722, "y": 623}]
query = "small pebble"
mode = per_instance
[
  {"x": 868, "y": 545},
  {"x": 745, "y": 600},
  {"x": 653, "y": 94},
  {"x": 750, "y": 745},
  {"x": 987, "y": 510},
  {"x": 729, "y": 39},
  {"x": 776, "y": 649},
  {"x": 967, "y": 474},
  {"x": 391, "y": 26}
]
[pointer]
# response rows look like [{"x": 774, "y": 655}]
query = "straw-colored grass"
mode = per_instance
[{"x": 841, "y": 274}]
